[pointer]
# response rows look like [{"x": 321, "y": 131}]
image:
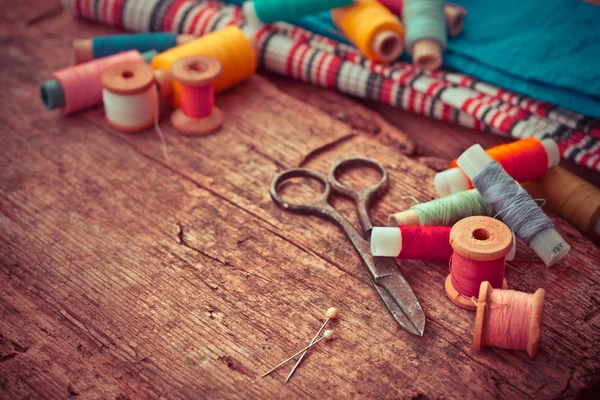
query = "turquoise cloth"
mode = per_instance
[{"x": 545, "y": 49}]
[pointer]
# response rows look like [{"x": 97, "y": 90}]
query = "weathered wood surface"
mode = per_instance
[{"x": 123, "y": 275}]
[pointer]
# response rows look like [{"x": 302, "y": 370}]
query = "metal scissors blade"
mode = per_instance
[{"x": 384, "y": 272}]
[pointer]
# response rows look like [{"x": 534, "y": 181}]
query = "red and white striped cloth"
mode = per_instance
[{"x": 295, "y": 52}]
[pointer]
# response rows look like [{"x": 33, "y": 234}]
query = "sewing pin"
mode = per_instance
[
  {"x": 328, "y": 335},
  {"x": 332, "y": 313}
]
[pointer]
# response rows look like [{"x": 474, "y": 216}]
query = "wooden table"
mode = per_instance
[{"x": 124, "y": 275}]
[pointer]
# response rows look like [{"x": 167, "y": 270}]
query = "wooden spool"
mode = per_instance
[
  {"x": 127, "y": 79},
  {"x": 478, "y": 238},
  {"x": 535, "y": 324},
  {"x": 196, "y": 71}
]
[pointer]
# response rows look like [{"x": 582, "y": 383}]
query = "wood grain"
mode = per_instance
[{"x": 125, "y": 275}]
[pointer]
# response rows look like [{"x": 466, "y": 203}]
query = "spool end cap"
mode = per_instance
[
  {"x": 82, "y": 50},
  {"x": 427, "y": 54},
  {"x": 473, "y": 160},
  {"x": 386, "y": 241},
  {"x": 550, "y": 246},
  {"x": 451, "y": 181},
  {"x": 52, "y": 94},
  {"x": 388, "y": 45},
  {"x": 197, "y": 126},
  {"x": 552, "y": 151}
]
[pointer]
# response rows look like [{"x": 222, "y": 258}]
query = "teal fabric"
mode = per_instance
[{"x": 546, "y": 49}]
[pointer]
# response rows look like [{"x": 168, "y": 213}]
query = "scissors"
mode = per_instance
[{"x": 384, "y": 272}]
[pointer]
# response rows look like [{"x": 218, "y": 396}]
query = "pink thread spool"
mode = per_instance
[
  {"x": 197, "y": 114},
  {"x": 78, "y": 87},
  {"x": 509, "y": 319},
  {"x": 480, "y": 246}
]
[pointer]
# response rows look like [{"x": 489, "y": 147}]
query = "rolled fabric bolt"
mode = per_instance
[
  {"x": 372, "y": 28},
  {"x": 518, "y": 165},
  {"x": 64, "y": 91},
  {"x": 425, "y": 32},
  {"x": 85, "y": 50},
  {"x": 519, "y": 212},
  {"x": 387, "y": 242}
]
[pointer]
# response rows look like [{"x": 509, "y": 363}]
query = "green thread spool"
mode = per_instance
[
  {"x": 269, "y": 11},
  {"x": 445, "y": 211}
]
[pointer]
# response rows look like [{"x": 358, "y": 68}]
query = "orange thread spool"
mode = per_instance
[
  {"x": 509, "y": 319},
  {"x": 372, "y": 28},
  {"x": 480, "y": 246},
  {"x": 196, "y": 76},
  {"x": 514, "y": 156}
]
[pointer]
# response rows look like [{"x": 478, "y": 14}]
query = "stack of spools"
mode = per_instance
[
  {"x": 373, "y": 26},
  {"x": 113, "y": 71},
  {"x": 482, "y": 203}
]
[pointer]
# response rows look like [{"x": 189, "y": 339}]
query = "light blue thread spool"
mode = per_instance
[
  {"x": 425, "y": 24},
  {"x": 269, "y": 11}
]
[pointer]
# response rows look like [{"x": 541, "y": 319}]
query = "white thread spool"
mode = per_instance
[{"x": 130, "y": 96}]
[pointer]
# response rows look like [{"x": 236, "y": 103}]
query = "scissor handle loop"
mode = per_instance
[
  {"x": 366, "y": 193},
  {"x": 319, "y": 205}
]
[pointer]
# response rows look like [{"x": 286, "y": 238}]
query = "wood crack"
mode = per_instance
[
  {"x": 324, "y": 148},
  {"x": 45, "y": 15}
]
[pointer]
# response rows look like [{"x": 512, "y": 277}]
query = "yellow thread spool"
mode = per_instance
[
  {"x": 229, "y": 45},
  {"x": 372, "y": 28}
]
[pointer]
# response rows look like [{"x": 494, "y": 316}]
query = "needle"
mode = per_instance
[
  {"x": 332, "y": 313},
  {"x": 328, "y": 335}
]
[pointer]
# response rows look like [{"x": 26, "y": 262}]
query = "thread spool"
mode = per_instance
[
  {"x": 429, "y": 243},
  {"x": 85, "y": 50},
  {"x": 130, "y": 96},
  {"x": 372, "y": 28},
  {"x": 480, "y": 246},
  {"x": 509, "y": 319},
  {"x": 229, "y": 46},
  {"x": 454, "y": 14},
  {"x": 524, "y": 160},
  {"x": 196, "y": 76},
  {"x": 425, "y": 24},
  {"x": 269, "y": 11},
  {"x": 516, "y": 208},
  {"x": 78, "y": 87},
  {"x": 571, "y": 197},
  {"x": 445, "y": 211}
]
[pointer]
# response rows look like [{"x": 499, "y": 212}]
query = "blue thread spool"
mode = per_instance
[
  {"x": 425, "y": 24},
  {"x": 269, "y": 11},
  {"x": 102, "y": 46}
]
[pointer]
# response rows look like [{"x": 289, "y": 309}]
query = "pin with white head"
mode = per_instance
[
  {"x": 327, "y": 335},
  {"x": 332, "y": 313}
]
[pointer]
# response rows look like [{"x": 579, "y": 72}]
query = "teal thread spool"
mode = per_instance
[
  {"x": 445, "y": 211},
  {"x": 425, "y": 23},
  {"x": 85, "y": 50},
  {"x": 269, "y": 11}
]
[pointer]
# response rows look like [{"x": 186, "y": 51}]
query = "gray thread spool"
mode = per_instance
[{"x": 512, "y": 203}]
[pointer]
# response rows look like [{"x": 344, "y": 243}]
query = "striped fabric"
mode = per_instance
[{"x": 297, "y": 53}]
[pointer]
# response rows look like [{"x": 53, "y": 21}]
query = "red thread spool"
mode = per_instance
[
  {"x": 197, "y": 114},
  {"x": 509, "y": 319},
  {"x": 429, "y": 243},
  {"x": 480, "y": 246}
]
